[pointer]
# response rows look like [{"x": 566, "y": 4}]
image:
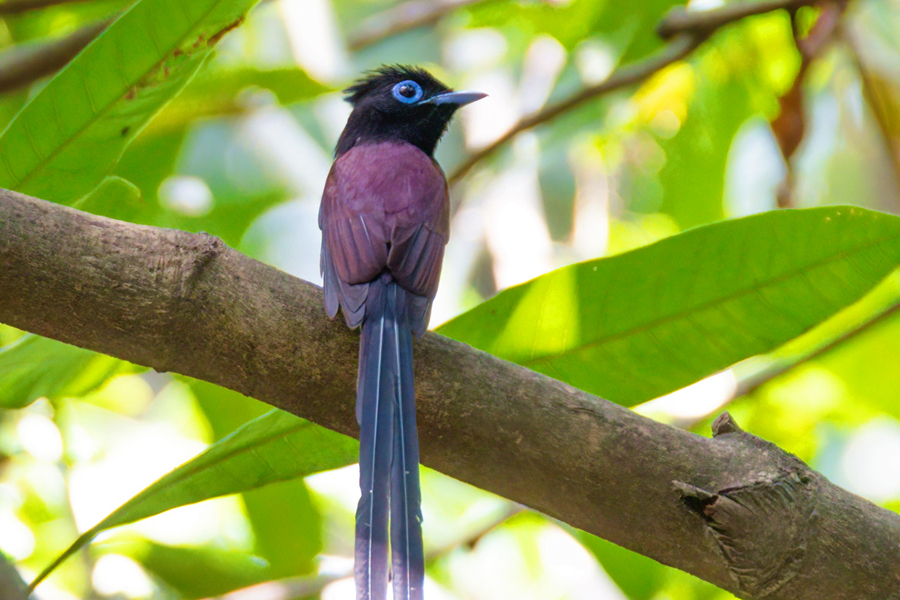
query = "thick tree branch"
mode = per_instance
[
  {"x": 687, "y": 30},
  {"x": 733, "y": 510}
]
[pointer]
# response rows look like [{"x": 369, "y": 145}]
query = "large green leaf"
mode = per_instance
[
  {"x": 33, "y": 367},
  {"x": 638, "y": 577},
  {"x": 641, "y": 324},
  {"x": 67, "y": 138},
  {"x": 287, "y": 526},
  {"x": 274, "y": 447},
  {"x": 216, "y": 92},
  {"x": 197, "y": 572}
]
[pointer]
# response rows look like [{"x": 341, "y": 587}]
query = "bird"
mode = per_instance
[{"x": 385, "y": 220}]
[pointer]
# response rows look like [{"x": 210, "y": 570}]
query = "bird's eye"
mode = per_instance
[{"x": 407, "y": 92}]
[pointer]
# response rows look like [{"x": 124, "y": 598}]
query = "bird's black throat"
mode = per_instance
[{"x": 370, "y": 126}]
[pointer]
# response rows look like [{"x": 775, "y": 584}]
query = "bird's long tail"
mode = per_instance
[{"x": 389, "y": 450}]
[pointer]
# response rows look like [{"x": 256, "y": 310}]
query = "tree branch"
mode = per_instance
[
  {"x": 15, "y": 7},
  {"x": 733, "y": 510},
  {"x": 687, "y": 30},
  {"x": 704, "y": 23},
  {"x": 776, "y": 367},
  {"x": 401, "y": 18},
  {"x": 628, "y": 75},
  {"x": 789, "y": 127},
  {"x": 880, "y": 104},
  {"x": 23, "y": 65}
]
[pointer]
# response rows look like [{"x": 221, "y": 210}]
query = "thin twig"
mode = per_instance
[
  {"x": 789, "y": 126},
  {"x": 686, "y": 30},
  {"x": 887, "y": 127},
  {"x": 15, "y": 7},
  {"x": 750, "y": 383},
  {"x": 24, "y": 65},
  {"x": 403, "y": 17},
  {"x": 675, "y": 51},
  {"x": 705, "y": 22}
]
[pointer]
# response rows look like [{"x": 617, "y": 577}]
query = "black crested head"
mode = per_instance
[{"x": 400, "y": 102}]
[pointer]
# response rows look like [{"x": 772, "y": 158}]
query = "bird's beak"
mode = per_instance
[{"x": 456, "y": 98}]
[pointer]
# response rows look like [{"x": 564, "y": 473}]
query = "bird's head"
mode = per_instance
[{"x": 402, "y": 103}]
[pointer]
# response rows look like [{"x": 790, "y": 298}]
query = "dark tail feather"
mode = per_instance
[
  {"x": 389, "y": 450},
  {"x": 375, "y": 413},
  {"x": 406, "y": 516}
]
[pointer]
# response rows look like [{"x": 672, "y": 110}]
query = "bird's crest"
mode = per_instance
[{"x": 388, "y": 75}]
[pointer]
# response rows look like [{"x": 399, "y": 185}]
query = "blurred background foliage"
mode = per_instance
[{"x": 795, "y": 108}]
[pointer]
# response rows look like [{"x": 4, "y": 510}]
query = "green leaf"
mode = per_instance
[
  {"x": 34, "y": 367},
  {"x": 115, "y": 197},
  {"x": 639, "y": 577},
  {"x": 215, "y": 92},
  {"x": 197, "y": 572},
  {"x": 720, "y": 104},
  {"x": 287, "y": 526},
  {"x": 274, "y": 447},
  {"x": 226, "y": 410},
  {"x": 641, "y": 324},
  {"x": 69, "y": 136}
]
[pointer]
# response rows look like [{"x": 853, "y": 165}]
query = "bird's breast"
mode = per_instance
[
  {"x": 393, "y": 181},
  {"x": 386, "y": 206}
]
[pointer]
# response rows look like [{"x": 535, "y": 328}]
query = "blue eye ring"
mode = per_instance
[{"x": 402, "y": 90}]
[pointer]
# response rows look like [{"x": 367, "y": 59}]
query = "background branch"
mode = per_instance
[
  {"x": 403, "y": 17},
  {"x": 675, "y": 51},
  {"x": 776, "y": 367},
  {"x": 14, "y": 7},
  {"x": 733, "y": 510},
  {"x": 23, "y": 65},
  {"x": 877, "y": 95},
  {"x": 687, "y": 30},
  {"x": 703, "y": 23},
  {"x": 789, "y": 127}
]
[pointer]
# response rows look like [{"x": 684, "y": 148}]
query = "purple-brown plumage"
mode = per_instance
[
  {"x": 375, "y": 218},
  {"x": 385, "y": 219}
]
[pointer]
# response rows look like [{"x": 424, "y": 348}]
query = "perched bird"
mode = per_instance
[{"x": 385, "y": 221}]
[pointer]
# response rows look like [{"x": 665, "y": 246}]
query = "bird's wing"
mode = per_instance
[{"x": 375, "y": 218}]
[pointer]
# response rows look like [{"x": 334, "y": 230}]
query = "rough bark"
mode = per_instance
[{"x": 732, "y": 509}]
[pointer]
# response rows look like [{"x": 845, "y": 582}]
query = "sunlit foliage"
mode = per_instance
[{"x": 221, "y": 116}]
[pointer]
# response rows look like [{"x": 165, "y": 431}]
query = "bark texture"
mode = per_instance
[{"x": 732, "y": 509}]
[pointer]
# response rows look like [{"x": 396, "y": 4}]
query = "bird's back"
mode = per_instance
[{"x": 385, "y": 209}]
